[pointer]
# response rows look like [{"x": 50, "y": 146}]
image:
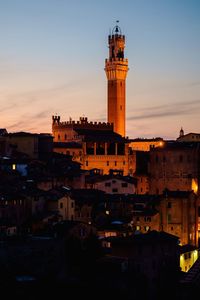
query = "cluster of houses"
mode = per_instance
[{"x": 144, "y": 223}]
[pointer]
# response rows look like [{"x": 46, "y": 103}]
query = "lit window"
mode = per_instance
[{"x": 14, "y": 166}]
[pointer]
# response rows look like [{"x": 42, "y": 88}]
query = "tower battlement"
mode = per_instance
[
  {"x": 116, "y": 36},
  {"x": 81, "y": 124},
  {"x": 107, "y": 60}
]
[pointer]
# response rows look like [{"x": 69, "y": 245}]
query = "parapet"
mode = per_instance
[
  {"x": 55, "y": 119},
  {"x": 82, "y": 124}
]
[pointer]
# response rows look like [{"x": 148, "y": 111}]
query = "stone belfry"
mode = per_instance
[{"x": 116, "y": 68}]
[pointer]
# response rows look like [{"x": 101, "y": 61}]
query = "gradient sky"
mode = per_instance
[{"x": 52, "y": 58}]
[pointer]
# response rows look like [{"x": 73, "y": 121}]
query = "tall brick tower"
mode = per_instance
[{"x": 116, "y": 68}]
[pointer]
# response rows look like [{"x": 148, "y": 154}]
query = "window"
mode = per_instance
[
  {"x": 107, "y": 184},
  {"x": 72, "y": 204},
  {"x": 124, "y": 184},
  {"x": 114, "y": 190},
  {"x": 124, "y": 163},
  {"x": 180, "y": 158},
  {"x": 86, "y": 163},
  {"x": 169, "y": 205},
  {"x": 169, "y": 217},
  {"x": 146, "y": 228},
  {"x": 65, "y": 136},
  {"x": 115, "y": 163},
  {"x": 107, "y": 163},
  {"x": 61, "y": 205},
  {"x": 58, "y": 136}
]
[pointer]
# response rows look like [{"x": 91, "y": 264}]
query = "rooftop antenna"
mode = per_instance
[{"x": 117, "y": 27}]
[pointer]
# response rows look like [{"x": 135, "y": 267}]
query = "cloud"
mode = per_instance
[
  {"x": 172, "y": 109},
  {"x": 30, "y": 122}
]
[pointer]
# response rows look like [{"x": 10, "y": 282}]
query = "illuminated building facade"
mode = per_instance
[{"x": 174, "y": 167}]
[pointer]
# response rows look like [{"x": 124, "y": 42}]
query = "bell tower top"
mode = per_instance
[
  {"x": 117, "y": 29},
  {"x": 116, "y": 42}
]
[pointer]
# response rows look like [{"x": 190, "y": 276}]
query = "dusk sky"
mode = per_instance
[{"x": 52, "y": 59}]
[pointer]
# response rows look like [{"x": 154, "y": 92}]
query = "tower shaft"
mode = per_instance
[{"x": 116, "y": 68}]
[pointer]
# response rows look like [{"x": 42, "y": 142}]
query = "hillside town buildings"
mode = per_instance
[{"x": 87, "y": 182}]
